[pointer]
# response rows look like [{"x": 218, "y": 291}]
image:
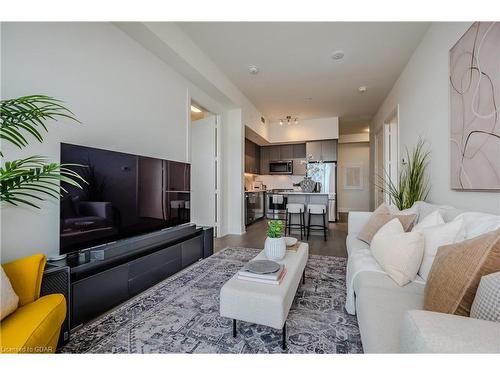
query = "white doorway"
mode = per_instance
[
  {"x": 205, "y": 170},
  {"x": 379, "y": 167},
  {"x": 387, "y": 157}
]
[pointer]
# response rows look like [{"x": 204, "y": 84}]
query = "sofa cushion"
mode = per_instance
[
  {"x": 430, "y": 220},
  {"x": 398, "y": 253},
  {"x": 431, "y": 332},
  {"x": 379, "y": 218},
  {"x": 354, "y": 244},
  {"x": 477, "y": 223},
  {"x": 381, "y": 305},
  {"x": 436, "y": 236},
  {"x": 425, "y": 208},
  {"x": 457, "y": 270},
  {"x": 33, "y": 325}
]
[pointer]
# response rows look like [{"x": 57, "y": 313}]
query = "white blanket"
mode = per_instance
[{"x": 359, "y": 261}]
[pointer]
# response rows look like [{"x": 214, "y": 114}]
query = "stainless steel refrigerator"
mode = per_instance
[{"x": 326, "y": 175}]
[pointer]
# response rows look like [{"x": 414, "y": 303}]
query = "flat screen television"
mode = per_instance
[{"x": 126, "y": 195}]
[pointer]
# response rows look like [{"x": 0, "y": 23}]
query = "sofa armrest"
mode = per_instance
[
  {"x": 432, "y": 332},
  {"x": 100, "y": 209},
  {"x": 25, "y": 275},
  {"x": 356, "y": 220}
]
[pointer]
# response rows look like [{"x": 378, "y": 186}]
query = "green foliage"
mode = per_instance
[
  {"x": 32, "y": 179},
  {"x": 275, "y": 228},
  {"x": 412, "y": 184}
]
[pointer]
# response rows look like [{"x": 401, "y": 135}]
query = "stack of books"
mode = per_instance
[{"x": 274, "y": 278}]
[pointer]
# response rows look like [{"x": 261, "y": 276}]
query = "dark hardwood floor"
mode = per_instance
[{"x": 256, "y": 235}]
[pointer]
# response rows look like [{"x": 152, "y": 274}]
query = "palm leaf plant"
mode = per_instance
[
  {"x": 412, "y": 184},
  {"x": 33, "y": 179}
]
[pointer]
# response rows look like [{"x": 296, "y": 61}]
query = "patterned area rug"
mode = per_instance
[{"x": 181, "y": 315}]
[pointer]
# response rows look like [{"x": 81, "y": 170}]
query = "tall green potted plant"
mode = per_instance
[
  {"x": 412, "y": 184},
  {"x": 34, "y": 179},
  {"x": 275, "y": 245}
]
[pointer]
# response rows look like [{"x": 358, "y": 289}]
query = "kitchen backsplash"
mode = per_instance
[{"x": 273, "y": 181}]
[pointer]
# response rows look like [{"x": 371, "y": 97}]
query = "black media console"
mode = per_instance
[{"x": 108, "y": 275}]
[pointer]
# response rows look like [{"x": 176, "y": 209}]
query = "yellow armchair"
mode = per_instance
[{"x": 35, "y": 326}]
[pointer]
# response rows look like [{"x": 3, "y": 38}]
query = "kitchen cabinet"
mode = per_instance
[
  {"x": 286, "y": 152},
  {"x": 299, "y": 151},
  {"x": 322, "y": 150},
  {"x": 329, "y": 150},
  {"x": 299, "y": 167},
  {"x": 252, "y": 157},
  {"x": 274, "y": 153},
  {"x": 264, "y": 159}
]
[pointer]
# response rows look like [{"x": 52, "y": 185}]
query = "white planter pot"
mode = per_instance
[{"x": 275, "y": 248}]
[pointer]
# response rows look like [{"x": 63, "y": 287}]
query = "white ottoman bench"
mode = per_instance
[{"x": 265, "y": 304}]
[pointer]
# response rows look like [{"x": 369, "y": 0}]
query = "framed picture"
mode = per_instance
[
  {"x": 474, "y": 108},
  {"x": 353, "y": 176}
]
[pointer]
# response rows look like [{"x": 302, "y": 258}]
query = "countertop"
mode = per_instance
[
  {"x": 302, "y": 193},
  {"x": 296, "y": 193},
  {"x": 284, "y": 193}
]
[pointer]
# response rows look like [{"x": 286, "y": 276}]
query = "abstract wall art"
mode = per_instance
[{"x": 475, "y": 108}]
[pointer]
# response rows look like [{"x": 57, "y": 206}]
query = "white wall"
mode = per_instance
[
  {"x": 422, "y": 93},
  {"x": 305, "y": 130},
  {"x": 127, "y": 99},
  {"x": 353, "y": 200}
]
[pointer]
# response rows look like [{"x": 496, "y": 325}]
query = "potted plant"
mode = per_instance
[
  {"x": 275, "y": 245},
  {"x": 412, "y": 184}
]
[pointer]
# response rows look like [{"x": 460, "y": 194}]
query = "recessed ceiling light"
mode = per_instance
[
  {"x": 362, "y": 89},
  {"x": 253, "y": 69},
  {"x": 338, "y": 55},
  {"x": 195, "y": 109}
]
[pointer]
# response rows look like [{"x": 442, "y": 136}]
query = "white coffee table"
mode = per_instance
[{"x": 264, "y": 303}]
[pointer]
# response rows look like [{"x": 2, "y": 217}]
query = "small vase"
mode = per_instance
[
  {"x": 307, "y": 185},
  {"x": 275, "y": 248}
]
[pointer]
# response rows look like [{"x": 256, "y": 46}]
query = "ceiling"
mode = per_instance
[{"x": 297, "y": 75}]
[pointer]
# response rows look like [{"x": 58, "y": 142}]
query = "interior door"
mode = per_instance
[
  {"x": 204, "y": 171},
  {"x": 379, "y": 168}
]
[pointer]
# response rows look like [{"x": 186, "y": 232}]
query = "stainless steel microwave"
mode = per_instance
[{"x": 281, "y": 167}]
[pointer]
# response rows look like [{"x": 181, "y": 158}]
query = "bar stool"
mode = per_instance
[
  {"x": 295, "y": 209},
  {"x": 316, "y": 209}
]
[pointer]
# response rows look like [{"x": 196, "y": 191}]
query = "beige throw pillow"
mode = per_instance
[
  {"x": 457, "y": 270},
  {"x": 8, "y": 298},
  {"x": 379, "y": 218},
  {"x": 398, "y": 253}
]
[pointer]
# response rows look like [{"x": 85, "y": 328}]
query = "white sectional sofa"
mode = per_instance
[{"x": 391, "y": 318}]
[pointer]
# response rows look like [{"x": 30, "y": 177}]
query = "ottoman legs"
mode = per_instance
[
  {"x": 283, "y": 340},
  {"x": 283, "y": 332}
]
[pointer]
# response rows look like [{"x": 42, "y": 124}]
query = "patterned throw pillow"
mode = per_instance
[{"x": 486, "y": 304}]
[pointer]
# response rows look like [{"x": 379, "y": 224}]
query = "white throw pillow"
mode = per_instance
[
  {"x": 399, "y": 253},
  {"x": 8, "y": 298},
  {"x": 437, "y": 236},
  {"x": 477, "y": 223},
  {"x": 430, "y": 220}
]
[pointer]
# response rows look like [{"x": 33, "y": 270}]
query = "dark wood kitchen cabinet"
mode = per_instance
[
  {"x": 264, "y": 159},
  {"x": 322, "y": 150},
  {"x": 252, "y": 157}
]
